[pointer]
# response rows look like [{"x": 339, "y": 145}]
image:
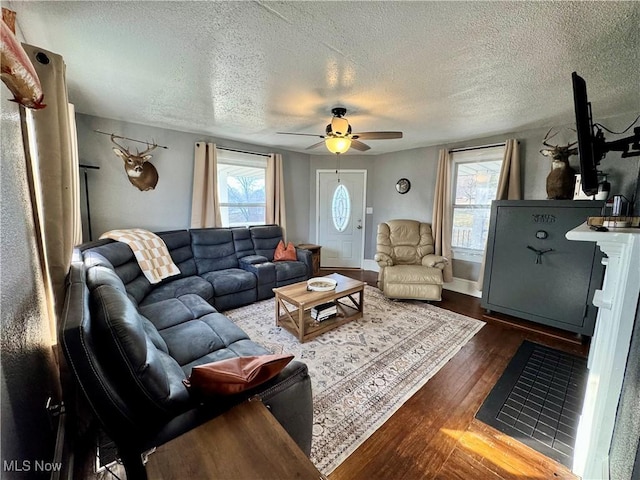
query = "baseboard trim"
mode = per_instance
[
  {"x": 371, "y": 265},
  {"x": 462, "y": 285}
]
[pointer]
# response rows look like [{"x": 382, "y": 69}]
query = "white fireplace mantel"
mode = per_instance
[{"x": 617, "y": 301}]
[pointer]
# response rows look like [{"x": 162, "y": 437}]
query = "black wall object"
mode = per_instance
[{"x": 86, "y": 193}]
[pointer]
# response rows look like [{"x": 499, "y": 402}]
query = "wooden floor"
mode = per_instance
[{"x": 434, "y": 434}]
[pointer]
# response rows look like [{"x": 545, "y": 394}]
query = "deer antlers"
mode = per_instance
[
  {"x": 150, "y": 147},
  {"x": 556, "y": 152}
]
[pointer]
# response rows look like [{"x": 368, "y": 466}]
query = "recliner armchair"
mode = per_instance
[{"x": 409, "y": 269}]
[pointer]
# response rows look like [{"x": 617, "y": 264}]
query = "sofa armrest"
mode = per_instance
[
  {"x": 383, "y": 259},
  {"x": 435, "y": 261},
  {"x": 265, "y": 272},
  {"x": 252, "y": 260},
  {"x": 290, "y": 400},
  {"x": 304, "y": 256}
]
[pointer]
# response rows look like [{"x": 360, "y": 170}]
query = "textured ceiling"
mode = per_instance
[{"x": 438, "y": 71}]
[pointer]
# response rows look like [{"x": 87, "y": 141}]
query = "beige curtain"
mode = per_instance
[
  {"x": 509, "y": 184},
  {"x": 205, "y": 203},
  {"x": 50, "y": 140},
  {"x": 441, "y": 223},
  {"x": 274, "y": 188},
  {"x": 509, "y": 187}
]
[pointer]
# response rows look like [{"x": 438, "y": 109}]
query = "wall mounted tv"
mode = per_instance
[{"x": 591, "y": 142}]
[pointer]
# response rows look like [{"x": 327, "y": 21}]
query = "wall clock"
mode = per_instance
[{"x": 403, "y": 185}]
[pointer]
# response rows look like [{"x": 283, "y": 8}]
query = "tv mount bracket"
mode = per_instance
[{"x": 621, "y": 145}]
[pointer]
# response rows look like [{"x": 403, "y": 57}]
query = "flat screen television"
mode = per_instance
[
  {"x": 589, "y": 147},
  {"x": 592, "y": 146}
]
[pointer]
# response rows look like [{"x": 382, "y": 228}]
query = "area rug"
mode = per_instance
[
  {"x": 538, "y": 400},
  {"x": 363, "y": 371}
]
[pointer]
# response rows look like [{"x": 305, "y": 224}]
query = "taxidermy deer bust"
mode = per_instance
[
  {"x": 140, "y": 172},
  {"x": 561, "y": 179}
]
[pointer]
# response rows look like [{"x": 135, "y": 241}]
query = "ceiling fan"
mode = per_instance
[{"x": 338, "y": 137}]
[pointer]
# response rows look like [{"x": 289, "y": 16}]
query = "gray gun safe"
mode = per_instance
[{"x": 533, "y": 272}]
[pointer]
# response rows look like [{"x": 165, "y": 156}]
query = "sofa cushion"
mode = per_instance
[
  {"x": 265, "y": 239},
  {"x": 195, "y": 332},
  {"x": 120, "y": 258},
  {"x": 178, "y": 243},
  {"x": 283, "y": 253},
  {"x": 181, "y": 286},
  {"x": 235, "y": 375},
  {"x": 231, "y": 280},
  {"x": 242, "y": 242},
  {"x": 134, "y": 356},
  {"x": 104, "y": 275},
  {"x": 213, "y": 249},
  {"x": 408, "y": 274},
  {"x": 173, "y": 311}
]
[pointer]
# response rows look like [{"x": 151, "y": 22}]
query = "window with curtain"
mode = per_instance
[
  {"x": 241, "y": 188},
  {"x": 475, "y": 175}
]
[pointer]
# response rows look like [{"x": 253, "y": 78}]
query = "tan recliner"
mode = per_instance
[{"x": 408, "y": 267}]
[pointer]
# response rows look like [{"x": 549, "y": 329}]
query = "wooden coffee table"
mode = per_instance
[{"x": 294, "y": 303}]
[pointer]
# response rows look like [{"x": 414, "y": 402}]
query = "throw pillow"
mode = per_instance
[
  {"x": 282, "y": 254},
  {"x": 234, "y": 375}
]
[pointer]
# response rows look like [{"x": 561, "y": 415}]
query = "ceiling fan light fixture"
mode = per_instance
[
  {"x": 337, "y": 145},
  {"x": 340, "y": 126}
]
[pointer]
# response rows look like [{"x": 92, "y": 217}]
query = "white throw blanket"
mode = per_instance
[{"x": 150, "y": 251}]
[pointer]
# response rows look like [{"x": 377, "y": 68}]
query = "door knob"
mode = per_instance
[{"x": 359, "y": 227}]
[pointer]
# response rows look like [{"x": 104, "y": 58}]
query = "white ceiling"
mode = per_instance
[{"x": 438, "y": 71}]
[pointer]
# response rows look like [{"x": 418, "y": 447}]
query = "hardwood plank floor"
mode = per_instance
[{"x": 434, "y": 435}]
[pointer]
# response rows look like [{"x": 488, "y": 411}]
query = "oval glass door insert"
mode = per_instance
[{"x": 341, "y": 207}]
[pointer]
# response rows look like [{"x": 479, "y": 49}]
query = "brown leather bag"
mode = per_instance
[{"x": 234, "y": 375}]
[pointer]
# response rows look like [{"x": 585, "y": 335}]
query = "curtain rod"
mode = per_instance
[
  {"x": 464, "y": 149},
  {"x": 243, "y": 151}
]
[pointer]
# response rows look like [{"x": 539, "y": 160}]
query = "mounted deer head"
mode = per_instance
[
  {"x": 556, "y": 152},
  {"x": 561, "y": 179},
  {"x": 139, "y": 172}
]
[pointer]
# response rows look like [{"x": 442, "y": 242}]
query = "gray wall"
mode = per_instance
[
  {"x": 420, "y": 167},
  {"x": 28, "y": 373},
  {"x": 115, "y": 203}
]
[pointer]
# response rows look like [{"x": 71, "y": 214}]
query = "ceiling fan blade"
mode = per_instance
[
  {"x": 315, "y": 145},
  {"x": 377, "y": 135},
  {"x": 303, "y": 134},
  {"x": 363, "y": 147}
]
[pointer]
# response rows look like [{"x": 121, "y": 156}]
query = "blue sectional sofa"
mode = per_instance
[{"x": 129, "y": 344}]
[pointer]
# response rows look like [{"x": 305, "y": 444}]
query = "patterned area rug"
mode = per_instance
[{"x": 363, "y": 371}]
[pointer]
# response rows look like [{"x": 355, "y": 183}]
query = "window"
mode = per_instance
[
  {"x": 341, "y": 207},
  {"x": 241, "y": 188},
  {"x": 475, "y": 182}
]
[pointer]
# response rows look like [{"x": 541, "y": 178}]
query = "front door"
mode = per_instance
[{"x": 340, "y": 214}]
